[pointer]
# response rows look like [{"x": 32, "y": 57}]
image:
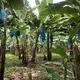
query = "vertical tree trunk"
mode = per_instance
[
  {"x": 51, "y": 41},
  {"x": 71, "y": 50},
  {"x": 43, "y": 48},
  {"x": 3, "y": 46},
  {"x": 48, "y": 48},
  {"x": 34, "y": 50},
  {"x": 18, "y": 47},
  {"x": 72, "y": 58},
  {"x": 24, "y": 50},
  {"x": 23, "y": 56},
  {"x": 65, "y": 71},
  {"x": 77, "y": 62}
]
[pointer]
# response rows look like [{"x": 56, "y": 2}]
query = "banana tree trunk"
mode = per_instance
[
  {"x": 51, "y": 42},
  {"x": 18, "y": 47},
  {"x": 72, "y": 57},
  {"x": 77, "y": 62},
  {"x": 3, "y": 52},
  {"x": 24, "y": 56},
  {"x": 48, "y": 48},
  {"x": 65, "y": 71},
  {"x": 34, "y": 50},
  {"x": 71, "y": 50}
]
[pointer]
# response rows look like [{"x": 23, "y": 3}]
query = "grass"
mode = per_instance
[
  {"x": 53, "y": 54},
  {"x": 13, "y": 64},
  {"x": 55, "y": 57},
  {"x": 12, "y": 60}
]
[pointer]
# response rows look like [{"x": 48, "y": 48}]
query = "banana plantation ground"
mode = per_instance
[
  {"x": 41, "y": 70},
  {"x": 40, "y": 42}
]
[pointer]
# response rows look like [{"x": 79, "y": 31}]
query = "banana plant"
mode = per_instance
[
  {"x": 12, "y": 4},
  {"x": 53, "y": 75}
]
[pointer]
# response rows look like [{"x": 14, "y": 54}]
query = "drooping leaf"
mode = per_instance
[
  {"x": 52, "y": 73},
  {"x": 70, "y": 10},
  {"x": 42, "y": 7},
  {"x": 59, "y": 50},
  {"x": 43, "y": 10},
  {"x": 4, "y": 1},
  {"x": 73, "y": 31},
  {"x": 76, "y": 3},
  {"x": 49, "y": 1},
  {"x": 54, "y": 19},
  {"x": 43, "y": 14},
  {"x": 16, "y": 4}
]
